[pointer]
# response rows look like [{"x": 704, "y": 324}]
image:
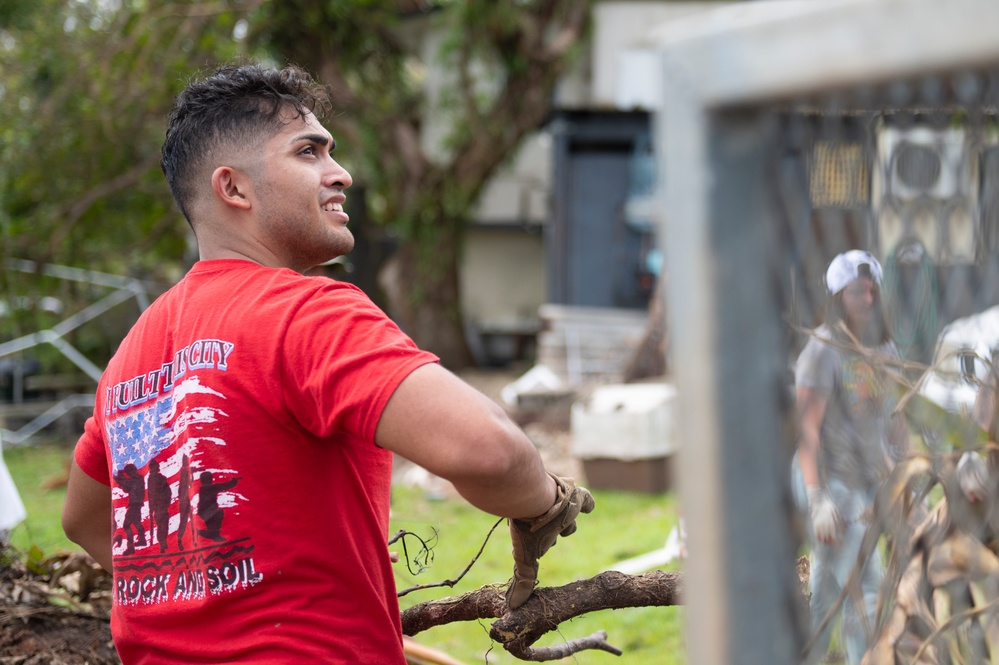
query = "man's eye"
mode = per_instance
[{"x": 308, "y": 151}]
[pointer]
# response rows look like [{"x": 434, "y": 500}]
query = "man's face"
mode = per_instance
[
  {"x": 859, "y": 297},
  {"x": 300, "y": 194}
]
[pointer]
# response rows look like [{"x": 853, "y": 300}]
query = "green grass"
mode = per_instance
[
  {"x": 33, "y": 467},
  {"x": 622, "y": 526}
]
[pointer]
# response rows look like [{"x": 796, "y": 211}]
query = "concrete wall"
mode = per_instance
[
  {"x": 520, "y": 192},
  {"x": 503, "y": 276}
]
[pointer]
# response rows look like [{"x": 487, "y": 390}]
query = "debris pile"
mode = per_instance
[{"x": 54, "y": 610}]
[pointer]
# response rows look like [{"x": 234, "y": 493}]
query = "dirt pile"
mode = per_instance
[{"x": 54, "y": 610}]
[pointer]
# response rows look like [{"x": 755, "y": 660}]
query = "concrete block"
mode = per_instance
[
  {"x": 626, "y": 422},
  {"x": 623, "y": 434}
]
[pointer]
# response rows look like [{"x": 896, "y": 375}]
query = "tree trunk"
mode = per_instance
[
  {"x": 649, "y": 359},
  {"x": 424, "y": 298}
]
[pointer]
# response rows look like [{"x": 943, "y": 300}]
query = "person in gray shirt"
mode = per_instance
[{"x": 849, "y": 438}]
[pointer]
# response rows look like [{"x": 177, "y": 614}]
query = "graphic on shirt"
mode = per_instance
[
  {"x": 170, "y": 505},
  {"x": 865, "y": 390}
]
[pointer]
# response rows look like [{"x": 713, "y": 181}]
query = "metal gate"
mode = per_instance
[
  {"x": 122, "y": 289},
  {"x": 790, "y": 132}
]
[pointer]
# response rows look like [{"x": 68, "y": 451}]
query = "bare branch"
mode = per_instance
[
  {"x": 597, "y": 640},
  {"x": 466, "y": 85},
  {"x": 517, "y": 630},
  {"x": 569, "y": 34},
  {"x": 487, "y": 602}
]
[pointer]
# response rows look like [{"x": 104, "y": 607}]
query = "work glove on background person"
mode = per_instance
[
  {"x": 826, "y": 520},
  {"x": 972, "y": 476},
  {"x": 533, "y": 537}
]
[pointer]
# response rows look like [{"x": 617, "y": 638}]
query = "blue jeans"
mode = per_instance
[{"x": 831, "y": 566}]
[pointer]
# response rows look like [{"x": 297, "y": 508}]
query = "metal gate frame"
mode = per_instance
[
  {"x": 123, "y": 289},
  {"x": 722, "y": 70}
]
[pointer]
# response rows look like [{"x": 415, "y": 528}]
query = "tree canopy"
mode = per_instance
[{"x": 87, "y": 85}]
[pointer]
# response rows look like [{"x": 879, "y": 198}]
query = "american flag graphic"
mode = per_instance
[{"x": 140, "y": 434}]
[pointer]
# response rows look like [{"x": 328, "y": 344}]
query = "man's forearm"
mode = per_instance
[
  {"x": 808, "y": 448},
  {"x": 98, "y": 546},
  {"x": 523, "y": 494}
]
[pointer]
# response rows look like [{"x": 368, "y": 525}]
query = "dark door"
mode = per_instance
[
  {"x": 595, "y": 256},
  {"x": 603, "y": 250}
]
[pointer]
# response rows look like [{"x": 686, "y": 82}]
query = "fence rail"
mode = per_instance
[{"x": 64, "y": 396}]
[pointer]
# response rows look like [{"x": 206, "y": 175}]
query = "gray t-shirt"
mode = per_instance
[{"x": 856, "y": 430}]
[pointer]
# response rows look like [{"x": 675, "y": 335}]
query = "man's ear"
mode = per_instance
[{"x": 232, "y": 187}]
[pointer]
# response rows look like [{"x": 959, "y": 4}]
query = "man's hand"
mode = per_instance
[
  {"x": 826, "y": 520},
  {"x": 532, "y": 538}
]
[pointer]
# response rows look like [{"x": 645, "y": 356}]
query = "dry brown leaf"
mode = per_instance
[
  {"x": 960, "y": 556},
  {"x": 882, "y": 652}
]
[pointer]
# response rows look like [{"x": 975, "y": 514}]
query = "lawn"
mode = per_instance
[
  {"x": 623, "y": 525},
  {"x": 33, "y": 470}
]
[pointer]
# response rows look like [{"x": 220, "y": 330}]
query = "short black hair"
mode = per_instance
[{"x": 236, "y": 103}]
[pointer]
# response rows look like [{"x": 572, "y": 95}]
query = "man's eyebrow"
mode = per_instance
[{"x": 321, "y": 139}]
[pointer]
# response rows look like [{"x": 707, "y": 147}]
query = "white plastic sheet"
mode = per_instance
[{"x": 12, "y": 510}]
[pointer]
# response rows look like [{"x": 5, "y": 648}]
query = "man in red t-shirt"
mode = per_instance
[{"x": 235, "y": 475}]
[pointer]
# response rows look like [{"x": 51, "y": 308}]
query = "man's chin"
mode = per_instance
[
  {"x": 339, "y": 256},
  {"x": 344, "y": 242}
]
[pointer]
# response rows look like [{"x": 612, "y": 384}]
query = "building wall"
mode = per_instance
[
  {"x": 504, "y": 269},
  {"x": 520, "y": 192},
  {"x": 503, "y": 277},
  {"x": 503, "y": 287}
]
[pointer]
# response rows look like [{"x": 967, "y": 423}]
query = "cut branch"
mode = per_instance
[{"x": 517, "y": 630}]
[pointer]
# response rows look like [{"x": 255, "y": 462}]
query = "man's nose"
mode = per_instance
[{"x": 337, "y": 176}]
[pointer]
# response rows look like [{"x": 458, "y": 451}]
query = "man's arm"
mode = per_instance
[
  {"x": 811, "y": 411},
  {"x": 826, "y": 520},
  {"x": 441, "y": 423},
  {"x": 86, "y": 515}
]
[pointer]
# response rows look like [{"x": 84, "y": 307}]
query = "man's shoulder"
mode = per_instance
[
  {"x": 819, "y": 342},
  {"x": 817, "y": 354}
]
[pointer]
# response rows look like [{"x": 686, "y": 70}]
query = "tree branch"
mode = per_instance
[{"x": 518, "y": 629}]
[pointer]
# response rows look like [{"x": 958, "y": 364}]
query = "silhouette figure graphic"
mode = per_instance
[
  {"x": 133, "y": 484},
  {"x": 159, "y": 504},
  {"x": 208, "y": 505},
  {"x": 184, "y": 499}
]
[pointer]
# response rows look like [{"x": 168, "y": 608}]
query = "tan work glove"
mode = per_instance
[{"x": 532, "y": 538}]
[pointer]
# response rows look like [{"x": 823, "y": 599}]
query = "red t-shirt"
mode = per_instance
[{"x": 235, "y": 426}]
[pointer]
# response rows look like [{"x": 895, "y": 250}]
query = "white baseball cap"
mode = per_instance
[{"x": 846, "y": 267}]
